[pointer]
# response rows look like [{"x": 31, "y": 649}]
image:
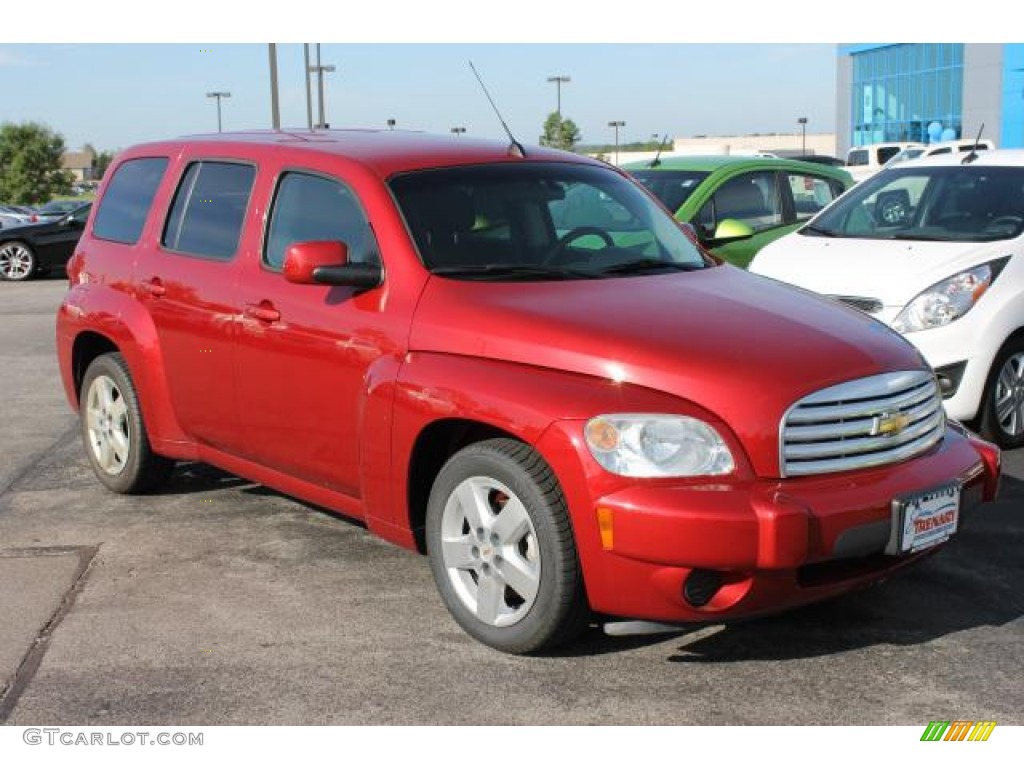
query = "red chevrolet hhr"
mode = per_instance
[{"x": 512, "y": 359}]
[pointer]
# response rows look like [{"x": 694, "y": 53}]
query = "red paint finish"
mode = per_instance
[{"x": 324, "y": 391}]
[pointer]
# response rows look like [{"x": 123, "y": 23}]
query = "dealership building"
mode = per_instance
[{"x": 929, "y": 92}]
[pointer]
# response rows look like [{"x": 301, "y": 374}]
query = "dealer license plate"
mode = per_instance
[{"x": 926, "y": 519}]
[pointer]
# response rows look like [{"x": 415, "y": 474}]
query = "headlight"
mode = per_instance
[
  {"x": 947, "y": 300},
  {"x": 652, "y": 445}
]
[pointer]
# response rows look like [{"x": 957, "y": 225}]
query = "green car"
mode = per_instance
[{"x": 737, "y": 205}]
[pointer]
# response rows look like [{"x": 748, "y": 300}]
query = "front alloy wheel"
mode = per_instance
[
  {"x": 17, "y": 262},
  {"x": 1003, "y": 410},
  {"x": 502, "y": 550},
  {"x": 489, "y": 549}
]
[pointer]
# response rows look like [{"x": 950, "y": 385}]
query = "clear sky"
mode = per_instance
[
  {"x": 116, "y": 72},
  {"x": 114, "y": 95}
]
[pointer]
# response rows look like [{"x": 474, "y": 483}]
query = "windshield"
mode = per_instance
[
  {"x": 539, "y": 221},
  {"x": 60, "y": 206},
  {"x": 857, "y": 157},
  {"x": 672, "y": 188},
  {"x": 959, "y": 203}
]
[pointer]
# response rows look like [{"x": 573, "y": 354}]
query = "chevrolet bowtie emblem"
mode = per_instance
[{"x": 889, "y": 424}]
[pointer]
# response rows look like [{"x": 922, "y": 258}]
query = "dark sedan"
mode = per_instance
[{"x": 35, "y": 248}]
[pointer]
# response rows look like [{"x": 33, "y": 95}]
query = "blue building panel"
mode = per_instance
[
  {"x": 905, "y": 92},
  {"x": 1011, "y": 134}
]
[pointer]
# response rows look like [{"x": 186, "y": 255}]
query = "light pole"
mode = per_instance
[
  {"x": 558, "y": 80},
  {"x": 320, "y": 69},
  {"x": 458, "y": 130},
  {"x": 616, "y": 124},
  {"x": 218, "y": 95},
  {"x": 803, "y": 137},
  {"x": 275, "y": 107},
  {"x": 391, "y": 123}
]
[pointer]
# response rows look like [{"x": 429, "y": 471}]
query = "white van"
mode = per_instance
[{"x": 867, "y": 160}]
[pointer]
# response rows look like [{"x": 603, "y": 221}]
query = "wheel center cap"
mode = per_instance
[{"x": 486, "y": 552}]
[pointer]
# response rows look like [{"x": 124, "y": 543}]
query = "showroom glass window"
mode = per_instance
[
  {"x": 907, "y": 92},
  {"x": 126, "y": 201}
]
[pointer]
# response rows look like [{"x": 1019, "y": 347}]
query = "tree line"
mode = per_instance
[{"x": 31, "y": 164}]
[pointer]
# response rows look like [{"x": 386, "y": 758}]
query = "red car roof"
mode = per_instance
[{"x": 385, "y": 151}]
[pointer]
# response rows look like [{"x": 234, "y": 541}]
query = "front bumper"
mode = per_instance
[{"x": 770, "y": 544}]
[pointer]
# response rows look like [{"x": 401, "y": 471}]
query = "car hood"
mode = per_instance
[
  {"x": 892, "y": 271},
  {"x": 742, "y": 347}
]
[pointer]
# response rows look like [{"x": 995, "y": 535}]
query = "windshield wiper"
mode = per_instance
[
  {"x": 522, "y": 271},
  {"x": 645, "y": 265},
  {"x": 821, "y": 231},
  {"x": 918, "y": 236}
]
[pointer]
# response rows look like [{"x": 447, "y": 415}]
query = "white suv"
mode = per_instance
[{"x": 934, "y": 248}]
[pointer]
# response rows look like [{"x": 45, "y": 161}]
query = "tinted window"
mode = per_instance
[
  {"x": 751, "y": 198},
  {"x": 309, "y": 207},
  {"x": 209, "y": 208},
  {"x": 539, "y": 221},
  {"x": 126, "y": 202},
  {"x": 886, "y": 153}
]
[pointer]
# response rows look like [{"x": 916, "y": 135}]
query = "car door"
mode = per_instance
[
  {"x": 55, "y": 245},
  {"x": 188, "y": 286},
  {"x": 305, "y": 353}
]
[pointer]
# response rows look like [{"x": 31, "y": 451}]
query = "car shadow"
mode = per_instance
[{"x": 973, "y": 582}]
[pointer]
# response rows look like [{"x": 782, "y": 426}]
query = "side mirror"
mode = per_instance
[
  {"x": 325, "y": 262},
  {"x": 731, "y": 230}
]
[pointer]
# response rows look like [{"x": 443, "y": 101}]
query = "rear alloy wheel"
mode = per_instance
[
  {"x": 113, "y": 430},
  {"x": 1002, "y": 415},
  {"x": 501, "y": 548},
  {"x": 17, "y": 261}
]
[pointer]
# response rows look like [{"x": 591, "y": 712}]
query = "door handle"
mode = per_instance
[
  {"x": 154, "y": 287},
  {"x": 263, "y": 311}
]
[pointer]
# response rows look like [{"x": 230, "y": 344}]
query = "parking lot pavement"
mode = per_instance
[{"x": 217, "y": 601}]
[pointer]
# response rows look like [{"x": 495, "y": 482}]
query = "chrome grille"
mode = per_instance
[
  {"x": 863, "y": 303},
  {"x": 863, "y": 423}
]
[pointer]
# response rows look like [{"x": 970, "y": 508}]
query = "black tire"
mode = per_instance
[
  {"x": 1009, "y": 364},
  {"x": 558, "y": 611},
  {"x": 127, "y": 464},
  {"x": 18, "y": 261}
]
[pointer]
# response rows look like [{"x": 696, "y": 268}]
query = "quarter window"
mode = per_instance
[
  {"x": 209, "y": 209},
  {"x": 308, "y": 207},
  {"x": 125, "y": 205}
]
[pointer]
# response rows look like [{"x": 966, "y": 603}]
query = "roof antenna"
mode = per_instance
[
  {"x": 656, "y": 161},
  {"x": 515, "y": 147},
  {"x": 973, "y": 154}
]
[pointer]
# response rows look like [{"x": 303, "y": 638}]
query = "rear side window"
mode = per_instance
[
  {"x": 125, "y": 204},
  {"x": 811, "y": 194},
  {"x": 886, "y": 153},
  {"x": 209, "y": 209}
]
